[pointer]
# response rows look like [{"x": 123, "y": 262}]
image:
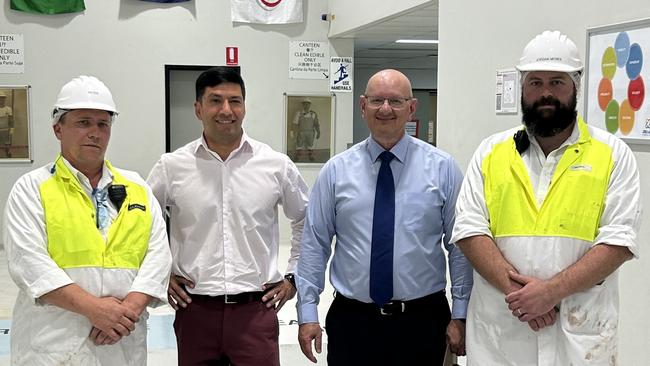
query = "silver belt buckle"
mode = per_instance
[
  {"x": 383, "y": 312},
  {"x": 228, "y": 301}
]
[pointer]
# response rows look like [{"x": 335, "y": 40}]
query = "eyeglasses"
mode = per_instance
[{"x": 395, "y": 103}]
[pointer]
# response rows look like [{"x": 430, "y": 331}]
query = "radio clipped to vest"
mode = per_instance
[
  {"x": 521, "y": 141},
  {"x": 117, "y": 195}
]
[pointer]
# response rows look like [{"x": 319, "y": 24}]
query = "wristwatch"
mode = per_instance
[{"x": 291, "y": 278}]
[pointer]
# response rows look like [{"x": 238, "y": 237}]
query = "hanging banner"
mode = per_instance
[
  {"x": 12, "y": 54},
  {"x": 308, "y": 60},
  {"x": 266, "y": 11},
  {"x": 48, "y": 6},
  {"x": 166, "y": 1},
  {"x": 341, "y": 74}
]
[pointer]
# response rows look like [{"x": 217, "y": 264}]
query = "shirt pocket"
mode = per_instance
[{"x": 422, "y": 211}]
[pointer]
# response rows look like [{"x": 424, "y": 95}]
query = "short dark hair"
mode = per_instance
[{"x": 218, "y": 75}]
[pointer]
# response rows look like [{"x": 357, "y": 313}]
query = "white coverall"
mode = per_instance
[
  {"x": 585, "y": 332},
  {"x": 43, "y": 334}
]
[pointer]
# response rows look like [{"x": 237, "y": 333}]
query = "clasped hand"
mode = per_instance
[
  {"x": 112, "y": 320},
  {"x": 533, "y": 302}
]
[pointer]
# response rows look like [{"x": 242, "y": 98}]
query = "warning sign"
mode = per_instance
[
  {"x": 12, "y": 55},
  {"x": 341, "y": 74},
  {"x": 308, "y": 60}
]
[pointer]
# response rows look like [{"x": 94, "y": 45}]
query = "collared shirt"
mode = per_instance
[
  {"x": 36, "y": 274},
  {"x": 25, "y": 235},
  {"x": 567, "y": 341},
  {"x": 427, "y": 181},
  {"x": 224, "y": 230},
  {"x": 622, "y": 207}
]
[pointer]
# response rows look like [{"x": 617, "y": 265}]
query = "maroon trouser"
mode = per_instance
[{"x": 210, "y": 332}]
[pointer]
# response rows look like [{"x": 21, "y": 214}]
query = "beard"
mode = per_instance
[{"x": 548, "y": 123}]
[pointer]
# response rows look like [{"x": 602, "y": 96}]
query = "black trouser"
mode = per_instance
[{"x": 358, "y": 334}]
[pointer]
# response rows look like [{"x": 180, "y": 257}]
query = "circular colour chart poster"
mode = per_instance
[{"x": 617, "y": 74}]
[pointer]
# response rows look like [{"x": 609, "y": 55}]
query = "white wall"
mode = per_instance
[
  {"x": 354, "y": 14},
  {"x": 126, "y": 44},
  {"x": 476, "y": 38}
]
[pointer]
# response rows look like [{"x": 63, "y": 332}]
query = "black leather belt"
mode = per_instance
[
  {"x": 395, "y": 306},
  {"x": 242, "y": 298}
]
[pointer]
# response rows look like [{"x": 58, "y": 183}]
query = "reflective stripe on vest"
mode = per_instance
[
  {"x": 73, "y": 237},
  {"x": 575, "y": 199}
]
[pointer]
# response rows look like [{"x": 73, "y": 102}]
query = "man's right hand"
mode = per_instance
[
  {"x": 176, "y": 293},
  {"x": 111, "y": 317},
  {"x": 544, "y": 320},
  {"x": 307, "y": 333}
]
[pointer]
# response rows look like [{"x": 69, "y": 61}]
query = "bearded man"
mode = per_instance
[{"x": 546, "y": 215}]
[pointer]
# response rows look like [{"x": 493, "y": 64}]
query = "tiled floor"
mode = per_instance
[{"x": 161, "y": 340}]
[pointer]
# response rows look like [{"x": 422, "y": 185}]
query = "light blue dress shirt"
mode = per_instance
[{"x": 427, "y": 182}]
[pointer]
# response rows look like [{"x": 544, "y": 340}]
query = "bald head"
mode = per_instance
[
  {"x": 387, "y": 105},
  {"x": 389, "y": 79}
]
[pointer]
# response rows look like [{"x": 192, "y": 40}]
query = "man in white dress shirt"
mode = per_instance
[{"x": 223, "y": 192}]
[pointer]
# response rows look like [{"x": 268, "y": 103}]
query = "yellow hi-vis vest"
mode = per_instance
[
  {"x": 73, "y": 238},
  {"x": 575, "y": 199}
]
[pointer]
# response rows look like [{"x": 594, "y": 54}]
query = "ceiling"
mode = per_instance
[{"x": 375, "y": 47}]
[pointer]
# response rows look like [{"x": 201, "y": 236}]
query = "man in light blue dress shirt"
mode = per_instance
[{"x": 415, "y": 326}]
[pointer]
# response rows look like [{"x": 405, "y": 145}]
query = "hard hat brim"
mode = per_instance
[
  {"x": 88, "y": 105},
  {"x": 546, "y": 66}
]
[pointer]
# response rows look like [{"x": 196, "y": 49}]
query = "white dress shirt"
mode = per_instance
[{"x": 224, "y": 230}]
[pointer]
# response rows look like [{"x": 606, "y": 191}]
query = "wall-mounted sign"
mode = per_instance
[
  {"x": 12, "y": 54},
  {"x": 412, "y": 127},
  {"x": 232, "y": 56},
  {"x": 616, "y": 76},
  {"x": 308, "y": 60},
  {"x": 506, "y": 101},
  {"x": 341, "y": 74}
]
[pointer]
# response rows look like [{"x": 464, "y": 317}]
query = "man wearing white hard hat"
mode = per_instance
[
  {"x": 86, "y": 245},
  {"x": 547, "y": 214},
  {"x": 6, "y": 124}
]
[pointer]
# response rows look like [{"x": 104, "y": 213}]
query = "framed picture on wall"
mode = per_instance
[
  {"x": 15, "y": 126},
  {"x": 616, "y": 78},
  {"x": 309, "y": 127}
]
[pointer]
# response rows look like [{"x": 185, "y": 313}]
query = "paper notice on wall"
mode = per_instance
[
  {"x": 341, "y": 74},
  {"x": 308, "y": 60},
  {"x": 12, "y": 54},
  {"x": 506, "y": 92}
]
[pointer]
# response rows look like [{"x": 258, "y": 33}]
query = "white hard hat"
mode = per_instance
[
  {"x": 83, "y": 92},
  {"x": 306, "y": 100},
  {"x": 550, "y": 51}
]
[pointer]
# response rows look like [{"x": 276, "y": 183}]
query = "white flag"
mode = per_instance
[{"x": 266, "y": 11}]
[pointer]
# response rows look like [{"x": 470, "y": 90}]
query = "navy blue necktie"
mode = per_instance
[{"x": 383, "y": 234}]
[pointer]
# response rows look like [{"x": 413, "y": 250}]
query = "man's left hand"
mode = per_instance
[
  {"x": 533, "y": 300},
  {"x": 100, "y": 338},
  {"x": 456, "y": 337},
  {"x": 278, "y": 294}
]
